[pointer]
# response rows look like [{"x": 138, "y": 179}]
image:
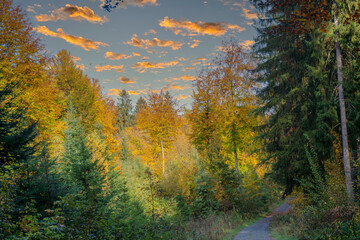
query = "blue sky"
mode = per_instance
[{"x": 142, "y": 45}]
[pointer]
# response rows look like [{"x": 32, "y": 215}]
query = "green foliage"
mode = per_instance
[
  {"x": 204, "y": 201},
  {"x": 125, "y": 116}
]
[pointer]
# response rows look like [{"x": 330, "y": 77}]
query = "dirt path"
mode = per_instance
[{"x": 260, "y": 230}]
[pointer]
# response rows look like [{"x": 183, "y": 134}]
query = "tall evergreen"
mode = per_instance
[
  {"x": 297, "y": 95},
  {"x": 125, "y": 116}
]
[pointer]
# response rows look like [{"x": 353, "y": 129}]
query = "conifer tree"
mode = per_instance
[{"x": 125, "y": 110}]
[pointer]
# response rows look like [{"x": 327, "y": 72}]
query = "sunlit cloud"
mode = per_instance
[
  {"x": 142, "y": 66},
  {"x": 151, "y": 31},
  {"x": 75, "y": 59},
  {"x": 184, "y": 78},
  {"x": 30, "y": 9},
  {"x": 182, "y": 59},
  {"x": 182, "y": 97},
  {"x": 247, "y": 44},
  {"x": 109, "y": 68},
  {"x": 146, "y": 43},
  {"x": 86, "y": 44},
  {"x": 118, "y": 56},
  {"x": 81, "y": 66},
  {"x": 177, "y": 87},
  {"x": 198, "y": 61},
  {"x": 199, "y": 27},
  {"x": 126, "y": 80},
  {"x": 114, "y": 92},
  {"x": 185, "y": 69},
  {"x": 195, "y": 43},
  {"x": 72, "y": 12},
  {"x": 138, "y": 3},
  {"x": 131, "y": 92},
  {"x": 249, "y": 15}
]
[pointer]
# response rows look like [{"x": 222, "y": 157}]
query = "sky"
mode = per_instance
[{"x": 142, "y": 45}]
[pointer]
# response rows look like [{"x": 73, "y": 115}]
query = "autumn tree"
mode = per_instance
[
  {"x": 159, "y": 118},
  {"x": 223, "y": 100}
]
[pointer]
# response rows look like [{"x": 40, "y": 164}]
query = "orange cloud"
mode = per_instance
[
  {"x": 142, "y": 66},
  {"x": 81, "y": 66},
  {"x": 131, "y": 92},
  {"x": 185, "y": 69},
  {"x": 197, "y": 61},
  {"x": 195, "y": 43},
  {"x": 184, "y": 77},
  {"x": 177, "y": 87},
  {"x": 151, "y": 31},
  {"x": 75, "y": 59},
  {"x": 247, "y": 44},
  {"x": 249, "y": 15},
  {"x": 72, "y": 12},
  {"x": 182, "y": 97},
  {"x": 199, "y": 27},
  {"x": 126, "y": 80},
  {"x": 118, "y": 56},
  {"x": 114, "y": 92},
  {"x": 146, "y": 43},
  {"x": 108, "y": 68},
  {"x": 138, "y": 3},
  {"x": 86, "y": 44}
]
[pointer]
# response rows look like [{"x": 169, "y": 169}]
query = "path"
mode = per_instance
[{"x": 260, "y": 230}]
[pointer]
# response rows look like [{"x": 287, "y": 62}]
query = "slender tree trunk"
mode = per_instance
[
  {"x": 163, "y": 156},
  {"x": 236, "y": 160},
  {"x": 344, "y": 135}
]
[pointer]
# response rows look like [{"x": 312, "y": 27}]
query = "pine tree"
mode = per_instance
[{"x": 125, "y": 111}]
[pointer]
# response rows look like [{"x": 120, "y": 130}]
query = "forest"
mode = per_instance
[{"x": 281, "y": 120}]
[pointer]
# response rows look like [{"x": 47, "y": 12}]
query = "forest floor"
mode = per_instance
[{"x": 260, "y": 230}]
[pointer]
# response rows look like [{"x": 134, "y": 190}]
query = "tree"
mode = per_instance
[
  {"x": 159, "y": 118},
  {"x": 297, "y": 22},
  {"x": 125, "y": 110},
  {"x": 223, "y": 100},
  {"x": 140, "y": 103}
]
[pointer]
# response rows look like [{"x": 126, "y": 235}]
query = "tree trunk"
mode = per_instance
[
  {"x": 236, "y": 160},
  {"x": 344, "y": 135},
  {"x": 163, "y": 156}
]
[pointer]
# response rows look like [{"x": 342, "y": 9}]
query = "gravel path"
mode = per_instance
[{"x": 260, "y": 230}]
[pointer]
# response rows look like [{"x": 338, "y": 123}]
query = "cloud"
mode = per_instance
[
  {"x": 177, "y": 87},
  {"x": 72, "y": 12},
  {"x": 184, "y": 77},
  {"x": 181, "y": 59},
  {"x": 198, "y": 61},
  {"x": 30, "y": 9},
  {"x": 114, "y": 92},
  {"x": 185, "y": 69},
  {"x": 146, "y": 43},
  {"x": 249, "y": 15},
  {"x": 86, "y": 44},
  {"x": 195, "y": 43},
  {"x": 81, "y": 66},
  {"x": 75, "y": 59},
  {"x": 182, "y": 97},
  {"x": 118, "y": 56},
  {"x": 108, "y": 68},
  {"x": 131, "y": 92},
  {"x": 126, "y": 80},
  {"x": 247, "y": 44},
  {"x": 138, "y": 3},
  {"x": 151, "y": 31},
  {"x": 199, "y": 27},
  {"x": 142, "y": 66}
]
